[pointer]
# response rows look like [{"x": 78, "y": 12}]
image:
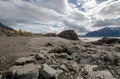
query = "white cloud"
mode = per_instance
[
  {"x": 19, "y": 11},
  {"x": 88, "y": 4},
  {"x": 45, "y": 11},
  {"x": 38, "y": 27},
  {"x": 111, "y": 11},
  {"x": 105, "y": 9},
  {"x": 82, "y": 16}
]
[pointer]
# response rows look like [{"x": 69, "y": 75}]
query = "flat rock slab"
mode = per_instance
[
  {"x": 14, "y": 69},
  {"x": 25, "y": 60},
  {"x": 28, "y": 71},
  {"x": 47, "y": 72},
  {"x": 103, "y": 74},
  {"x": 0, "y": 76},
  {"x": 117, "y": 69}
]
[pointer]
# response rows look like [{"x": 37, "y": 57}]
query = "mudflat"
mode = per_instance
[{"x": 12, "y": 48}]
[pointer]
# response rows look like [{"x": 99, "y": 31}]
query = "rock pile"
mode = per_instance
[
  {"x": 75, "y": 61},
  {"x": 25, "y": 68}
]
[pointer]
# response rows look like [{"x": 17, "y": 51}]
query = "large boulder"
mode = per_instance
[
  {"x": 47, "y": 72},
  {"x": 69, "y": 34},
  {"x": 28, "y": 71}
]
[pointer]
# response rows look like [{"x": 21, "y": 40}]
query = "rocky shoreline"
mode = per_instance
[{"x": 59, "y": 58}]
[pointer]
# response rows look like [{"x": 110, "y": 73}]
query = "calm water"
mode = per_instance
[{"x": 90, "y": 39}]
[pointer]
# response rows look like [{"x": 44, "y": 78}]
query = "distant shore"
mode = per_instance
[{"x": 91, "y": 39}]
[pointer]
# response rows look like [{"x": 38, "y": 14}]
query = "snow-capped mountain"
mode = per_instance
[{"x": 105, "y": 32}]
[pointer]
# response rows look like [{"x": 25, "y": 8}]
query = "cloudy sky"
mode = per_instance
[{"x": 43, "y": 16}]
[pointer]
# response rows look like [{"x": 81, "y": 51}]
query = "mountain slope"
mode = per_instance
[
  {"x": 5, "y": 30},
  {"x": 5, "y": 27},
  {"x": 105, "y": 32}
]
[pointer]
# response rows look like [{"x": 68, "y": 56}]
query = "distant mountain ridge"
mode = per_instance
[
  {"x": 7, "y": 31},
  {"x": 105, "y": 32},
  {"x": 5, "y": 27}
]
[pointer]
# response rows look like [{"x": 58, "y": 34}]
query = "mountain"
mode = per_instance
[
  {"x": 105, "y": 32},
  {"x": 5, "y": 27},
  {"x": 5, "y": 30}
]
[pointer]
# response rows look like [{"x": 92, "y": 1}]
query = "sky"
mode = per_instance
[{"x": 44, "y": 16}]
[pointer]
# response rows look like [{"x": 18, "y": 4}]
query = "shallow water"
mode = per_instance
[{"x": 90, "y": 39}]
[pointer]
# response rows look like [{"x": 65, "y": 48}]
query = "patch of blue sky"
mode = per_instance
[
  {"x": 73, "y": 1},
  {"x": 17, "y": 27},
  {"x": 56, "y": 25}
]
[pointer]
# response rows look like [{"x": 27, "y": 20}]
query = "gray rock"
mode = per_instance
[
  {"x": 117, "y": 48},
  {"x": 110, "y": 58},
  {"x": 59, "y": 71},
  {"x": 47, "y": 72},
  {"x": 75, "y": 49},
  {"x": 64, "y": 55},
  {"x": 76, "y": 56},
  {"x": 73, "y": 68},
  {"x": 24, "y": 60},
  {"x": 32, "y": 54},
  {"x": 0, "y": 76},
  {"x": 85, "y": 58},
  {"x": 64, "y": 68},
  {"x": 28, "y": 71},
  {"x": 117, "y": 59},
  {"x": 60, "y": 49},
  {"x": 99, "y": 74},
  {"x": 14, "y": 69},
  {"x": 39, "y": 56}
]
